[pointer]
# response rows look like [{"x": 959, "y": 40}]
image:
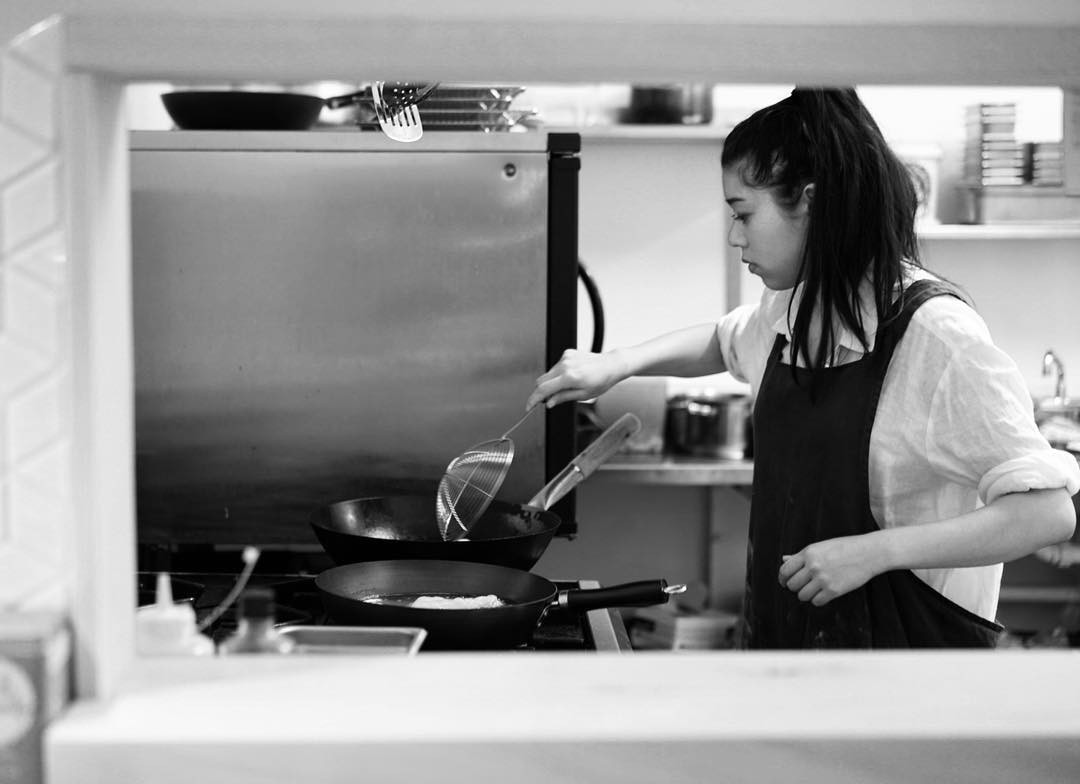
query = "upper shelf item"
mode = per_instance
[
  {"x": 249, "y": 110},
  {"x": 399, "y": 120}
]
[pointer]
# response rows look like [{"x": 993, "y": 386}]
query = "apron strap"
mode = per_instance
[{"x": 893, "y": 326}]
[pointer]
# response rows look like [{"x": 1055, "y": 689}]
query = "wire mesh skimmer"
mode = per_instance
[{"x": 471, "y": 481}]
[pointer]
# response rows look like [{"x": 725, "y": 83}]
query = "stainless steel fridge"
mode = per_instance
[{"x": 324, "y": 315}]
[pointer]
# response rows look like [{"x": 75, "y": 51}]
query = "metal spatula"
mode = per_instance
[
  {"x": 399, "y": 95},
  {"x": 586, "y": 462},
  {"x": 401, "y": 122},
  {"x": 471, "y": 481}
]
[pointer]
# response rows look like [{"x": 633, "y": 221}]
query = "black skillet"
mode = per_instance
[
  {"x": 405, "y": 526},
  {"x": 347, "y": 592},
  {"x": 206, "y": 110}
]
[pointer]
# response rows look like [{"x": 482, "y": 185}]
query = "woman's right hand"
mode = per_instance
[{"x": 579, "y": 375}]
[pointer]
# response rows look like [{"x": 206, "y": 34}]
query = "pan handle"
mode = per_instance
[
  {"x": 587, "y": 461},
  {"x": 643, "y": 593},
  {"x": 338, "y": 101}
]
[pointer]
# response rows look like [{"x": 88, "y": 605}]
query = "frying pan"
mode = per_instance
[
  {"x": 405, "y": 526},
  {"x": 346, "y": 591},
  {"x": 206, "y": 110}
]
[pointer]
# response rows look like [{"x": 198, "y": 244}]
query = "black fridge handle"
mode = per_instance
[{"x": 596, "y": 304}]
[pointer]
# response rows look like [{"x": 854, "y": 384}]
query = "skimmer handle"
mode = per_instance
[{"x": 521, "y": 421}]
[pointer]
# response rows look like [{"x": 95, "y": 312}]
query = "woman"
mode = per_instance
[{"x": 897, "y": 462}]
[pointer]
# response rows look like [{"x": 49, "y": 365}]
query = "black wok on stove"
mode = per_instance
[{"x": 404, "y": 526}]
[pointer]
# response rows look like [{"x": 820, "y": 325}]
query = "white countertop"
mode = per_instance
[{"x": 643, "y": 717}]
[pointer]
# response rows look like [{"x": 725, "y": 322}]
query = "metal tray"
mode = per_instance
[
  {"x": 468, "y": 121},
  {"x": 355, "y": 639},
  {"x": 451, "y": 104},
  {"x": 476, "y": 92}
]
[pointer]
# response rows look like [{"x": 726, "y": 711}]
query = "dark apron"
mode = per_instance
[{"x": 811, "y": 483}]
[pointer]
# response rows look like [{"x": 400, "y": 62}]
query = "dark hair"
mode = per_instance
[{"x": 862, "y": 213}]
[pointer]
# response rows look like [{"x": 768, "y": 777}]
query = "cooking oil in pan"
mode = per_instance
[{"x": 437, "y": 601}]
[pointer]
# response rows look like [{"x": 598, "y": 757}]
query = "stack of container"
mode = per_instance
[
  {"x": 992, "y": 155},
  {"x": 1009, "y": 181},
  {"x": 1044, "y": 163}
]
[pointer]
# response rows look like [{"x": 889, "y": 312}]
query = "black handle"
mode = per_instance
[
  {"x": 338, "y": 101},
  {"x": 597, "y": 306},
  {"x": 643, "y": 593}
]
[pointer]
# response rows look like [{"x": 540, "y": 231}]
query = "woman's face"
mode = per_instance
[{"x": 770, "y": 235}]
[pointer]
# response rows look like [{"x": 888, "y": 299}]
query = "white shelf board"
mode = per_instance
[
  {"x": 1062, "y": 230},
  {"x": 646, "y": 133}
]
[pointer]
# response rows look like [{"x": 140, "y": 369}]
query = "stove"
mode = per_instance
[{"x": 298, "y": 602}]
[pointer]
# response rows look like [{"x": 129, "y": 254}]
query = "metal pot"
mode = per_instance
[
  {"x": 679, "y": 104},
  {"x": 708, "y": 426}
]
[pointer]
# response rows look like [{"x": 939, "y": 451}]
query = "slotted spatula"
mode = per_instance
[
  {"x": 397, "y": 95},
  {"x": 400, "y": 122},
  {"x": 395, "y": 108}
]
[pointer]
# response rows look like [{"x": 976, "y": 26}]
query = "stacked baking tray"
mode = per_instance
[{"x": 465, "y": 107}]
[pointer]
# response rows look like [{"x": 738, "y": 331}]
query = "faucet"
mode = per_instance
[{"x": 1052, "y": 364}]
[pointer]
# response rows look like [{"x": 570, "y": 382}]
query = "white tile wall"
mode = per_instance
[{"x": 36, "y": 427}]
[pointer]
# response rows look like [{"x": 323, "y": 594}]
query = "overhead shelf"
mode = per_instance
[
  {"x": 1002, "y": 231},
  {"x": 647, "y": 133}
]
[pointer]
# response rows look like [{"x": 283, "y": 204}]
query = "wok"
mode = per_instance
[
  {"x": 206, "y": 110},
  {"x": 405, "y": 526},
  {"x": 347, "y": 590}
]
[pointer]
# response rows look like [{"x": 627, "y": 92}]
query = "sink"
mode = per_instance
[
  {"x": 1054, "y": 407},
  {"x": 1060, "y": 406}
]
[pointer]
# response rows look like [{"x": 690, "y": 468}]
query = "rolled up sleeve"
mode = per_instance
[
  {"x": 745, "y": 340},
  {"x": 982, "y": 430},
  {"x": 1044, "y": 470}
]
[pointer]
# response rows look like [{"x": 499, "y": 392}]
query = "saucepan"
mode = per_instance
[
  {"x": 708, "y": 425},
  {"x": 405, "y": 526},
  {"x": 498, "y": 607}
]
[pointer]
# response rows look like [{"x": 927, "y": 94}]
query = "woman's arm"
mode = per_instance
[
  {"x": 579, "y": 375},
  {"x": 1011, "y": 527}
]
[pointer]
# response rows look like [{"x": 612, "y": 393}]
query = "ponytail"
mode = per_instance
[{"x": 862, "y": 213}]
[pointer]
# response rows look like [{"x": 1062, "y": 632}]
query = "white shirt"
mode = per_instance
[{"x": 954, "y": 427}]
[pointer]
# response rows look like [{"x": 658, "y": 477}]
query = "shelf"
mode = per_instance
[
  {"x": 1039, "y": 593},
  {"x": 646, "y": 133},
  {"x": 664, "y": 470},
  {"x": 1002, "y": 231}
]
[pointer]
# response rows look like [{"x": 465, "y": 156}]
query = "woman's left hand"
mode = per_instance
[{"x": 824, "y": 570}]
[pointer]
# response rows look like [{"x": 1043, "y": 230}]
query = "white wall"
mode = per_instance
[
  {"x": 652, "y": 230},
  {"x": 1026, "y": 291}
]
